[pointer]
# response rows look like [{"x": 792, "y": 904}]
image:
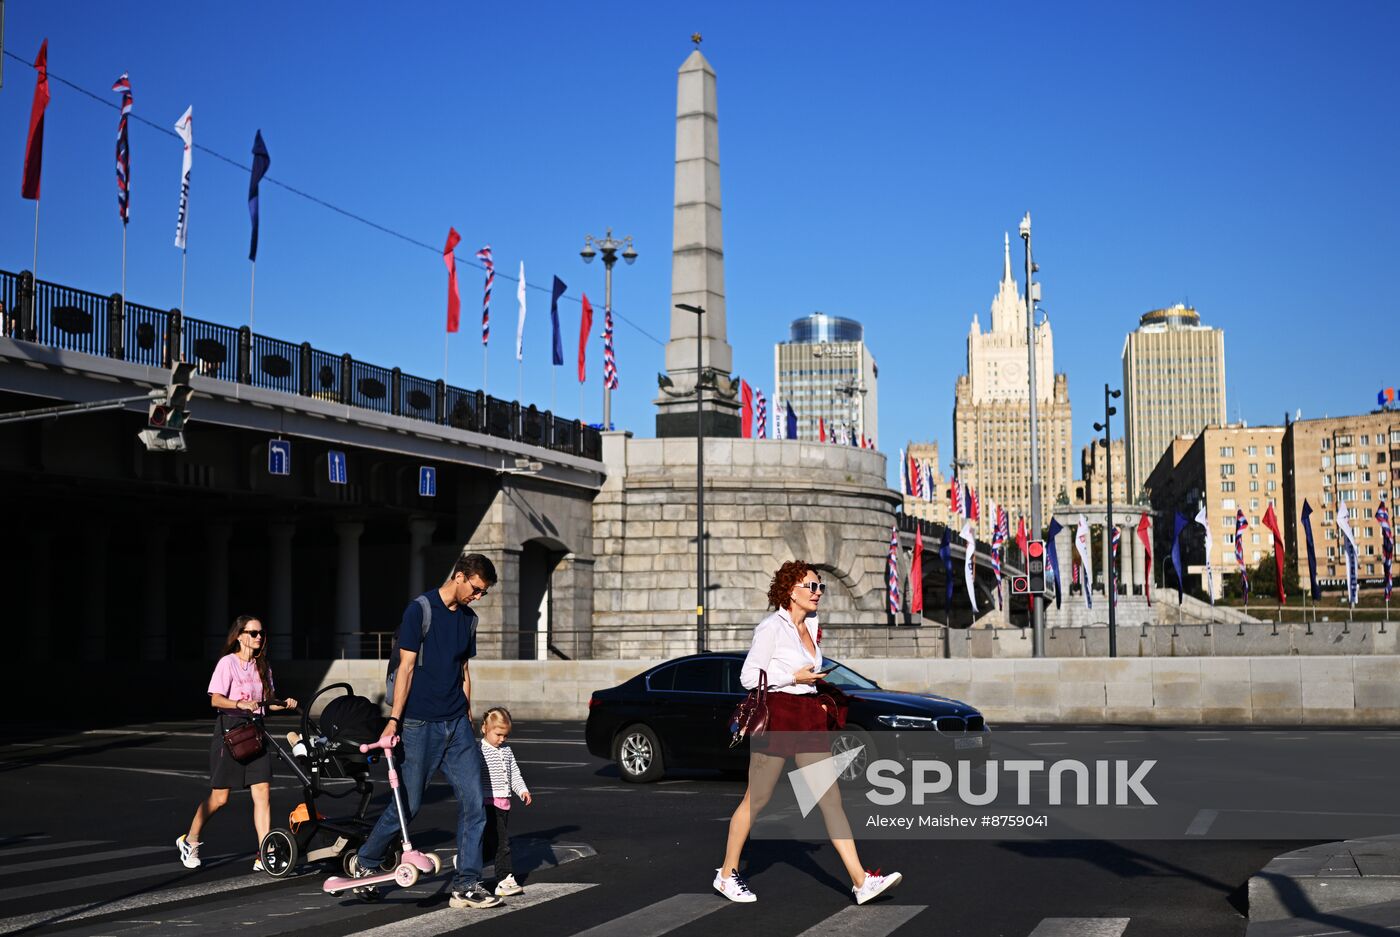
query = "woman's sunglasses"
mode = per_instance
[
  {"x": 815, "y": 587},
  {"x": 253, "y": 634}
]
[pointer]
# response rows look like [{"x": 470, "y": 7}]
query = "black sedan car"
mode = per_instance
[{"x": 676, "y": 715}]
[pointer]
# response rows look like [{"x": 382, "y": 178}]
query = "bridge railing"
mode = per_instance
[{"x": 77, "y": 320}]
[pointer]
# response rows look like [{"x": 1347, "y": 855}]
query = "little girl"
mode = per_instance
[{"x": 502, "y": 777}]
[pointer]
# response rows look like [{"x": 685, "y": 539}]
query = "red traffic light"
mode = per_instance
[
  {"x": 1036, "y": 548},
  {"x": 159, "y": 416},
  {"x": 1020, "y": 585}
]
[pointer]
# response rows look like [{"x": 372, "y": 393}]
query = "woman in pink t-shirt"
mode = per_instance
[{"x": 242, "y": 682}]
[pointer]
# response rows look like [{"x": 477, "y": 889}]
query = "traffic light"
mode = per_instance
[
  {"x": 169, "y": 412},
  {"x": 1035, "y": 566}
]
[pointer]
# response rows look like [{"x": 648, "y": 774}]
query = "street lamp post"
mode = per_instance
[
  {"x": 699, "y": 473},
  {"x": 1037, "y": 610},
  {"x": 1108, "y": 411},
  {"x": 608, "y": 246}
]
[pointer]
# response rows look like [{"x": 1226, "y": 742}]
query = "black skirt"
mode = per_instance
[{"x": 226, "y": 772}]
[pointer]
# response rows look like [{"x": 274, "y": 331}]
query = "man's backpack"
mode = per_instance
[{"x": 427, "y": 623}]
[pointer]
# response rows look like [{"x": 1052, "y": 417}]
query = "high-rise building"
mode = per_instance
[
  {"x": 1223, "y": 469},
  {"x": 1348, "y": 459},
  {"x": 934, "y": 506},
  {"x": 991, "y": 412},
  {"x": 1173, "y": 384},
  {"x": 1094, "y": 470},
  {"x": 826, "y": 372}
]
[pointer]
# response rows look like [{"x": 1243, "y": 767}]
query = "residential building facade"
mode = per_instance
[
  {"x": 935, "y": 508},
  {"x": 827, "y": 374}
]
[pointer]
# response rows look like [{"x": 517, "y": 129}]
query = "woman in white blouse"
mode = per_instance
[{"x": 786, "y": 648}]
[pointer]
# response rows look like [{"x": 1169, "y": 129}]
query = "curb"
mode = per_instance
[{"x": 1314, "y": 883}]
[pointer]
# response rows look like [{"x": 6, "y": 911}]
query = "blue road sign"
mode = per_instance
[
  {"x": 335, "y": 466},
  {"x": 427, "y": 482},
  {"x": 279, "y": 457}
]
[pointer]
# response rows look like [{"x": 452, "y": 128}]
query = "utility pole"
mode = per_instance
[
  {"x": 1109, "y": 561},
  {"x": 1037, "y": 609}
]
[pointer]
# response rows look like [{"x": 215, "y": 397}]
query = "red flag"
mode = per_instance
[
  {"x": 916, "y": 573},
  {"x": 585, "y": 326},
  {"x": 1271, "y": 522},
  {"x": 34, "y": 146},
  {"x": 1021, "y": 537},
  {"x": 746, "y": 393},
  {"x": 821, "y": 429},
  {"x": 454, "y": 302},
  {"x": 1143, "y": 526}
]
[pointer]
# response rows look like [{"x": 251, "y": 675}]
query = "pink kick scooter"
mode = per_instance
[{"x": 413, "y": 863}]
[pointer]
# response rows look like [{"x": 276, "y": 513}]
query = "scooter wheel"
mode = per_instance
[
  {"x": 437, "y": 863},
  {"x": 406, "y": 875}
]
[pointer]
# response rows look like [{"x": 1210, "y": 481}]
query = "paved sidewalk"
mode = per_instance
[{"x": 1351, "y": 887}]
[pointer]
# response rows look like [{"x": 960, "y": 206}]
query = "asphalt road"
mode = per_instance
[{"x": 89, "y": 821}]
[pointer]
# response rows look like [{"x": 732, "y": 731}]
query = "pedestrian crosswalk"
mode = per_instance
[{"x": 156, "y": 896}]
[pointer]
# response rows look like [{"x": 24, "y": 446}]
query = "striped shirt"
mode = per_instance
[{"x": 501, "y": 773}]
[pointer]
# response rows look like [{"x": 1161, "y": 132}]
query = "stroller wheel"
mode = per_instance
[
  {"x": 348, "y": 862},
  {"x": 392, "y": 859},
  {"x": 279, "y": 852}
]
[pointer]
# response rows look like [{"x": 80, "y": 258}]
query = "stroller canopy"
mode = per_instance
[{"x": 351, "y": 719}]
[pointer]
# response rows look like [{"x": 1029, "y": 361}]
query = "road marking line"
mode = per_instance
[
  {"x": 659, "y": 918},
  {"x": 450, "y": 919},
  {"x": 168, "y": 772},
  {"x": 1212, "y": 739},
  {"x": 1200, "y": 824},
  {"x": 36, "y": 865},
  {"x": 1080, "y": 927},
  {"x": 1123, "y": 742},
  {"x": 865, "y": 921},
  {"x": 50, "y": 847},
  {"x": 144, "y": 732},
  {"x": 171, "y": 868}
]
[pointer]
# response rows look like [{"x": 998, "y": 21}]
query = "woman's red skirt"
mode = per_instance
[{"x": 796, "y": 723}]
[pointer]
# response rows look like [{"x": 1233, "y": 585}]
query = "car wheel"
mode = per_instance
[
  {"x": 849, "y": 739},
  {"x": 639, "y": 754}
]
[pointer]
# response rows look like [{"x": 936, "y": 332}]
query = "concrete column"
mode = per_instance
[
  {"x": 347, "y": 588},
  {"x": 279, "y": 590},
  {"x": 507, "y": 602},
  {"x": 572, "y": 621},
  {"x": 41, "y": 598},
  {"x": 94, "y": 635},
  {"x": 420, "y": 534},
  {"x": 216, "y": 613},
  {"x": 154, "y": 636}
]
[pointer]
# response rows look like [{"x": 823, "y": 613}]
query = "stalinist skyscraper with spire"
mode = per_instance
[{"x": 991, "y": 412}]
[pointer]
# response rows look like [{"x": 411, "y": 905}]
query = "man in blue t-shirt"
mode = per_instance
[{"x": 431, "y": 712}]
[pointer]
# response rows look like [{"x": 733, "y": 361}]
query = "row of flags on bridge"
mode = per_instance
[
  {"x": 753, "y": 416},
  {"x": 1082, "y": 560}
]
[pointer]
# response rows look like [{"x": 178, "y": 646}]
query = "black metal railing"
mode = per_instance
[{"x": 76, "y": 320}]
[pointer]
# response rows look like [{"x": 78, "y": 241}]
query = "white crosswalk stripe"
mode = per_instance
[
  {"x": 110, "y": 856},
  {"x": 450, "y": 919},
  {"x": 1081, "y": 927},
  {"x": 140, "y": 902},
  {"x": 172, "y": 869},
  {"x": 659, "y": 918},
  {"x": 6, "y": 853},
  {"x": 866, "y": 921}
]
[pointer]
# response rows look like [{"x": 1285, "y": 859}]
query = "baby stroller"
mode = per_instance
[{"x": 326, "y": 750}]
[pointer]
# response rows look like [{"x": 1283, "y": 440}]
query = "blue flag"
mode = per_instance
[
  {"x": 559, "y": 289},
  {"x": 1052, "y": 561},
  {"x": 1312, "y": 555},
  {"x": 945, "y": 552},
  {"x": 1181, "y": 523},
  {"x": 791, "y": 423},
  {"x": 260, "y": 163}
]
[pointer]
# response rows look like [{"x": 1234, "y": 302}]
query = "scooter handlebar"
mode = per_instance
[{"x": 386, "y": 743}]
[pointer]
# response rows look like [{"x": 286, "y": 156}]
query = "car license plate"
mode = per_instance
[{"x": 973, "y": 742}]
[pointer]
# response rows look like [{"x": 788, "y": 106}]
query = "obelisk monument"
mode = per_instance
[{"x": 697, "y": 269}]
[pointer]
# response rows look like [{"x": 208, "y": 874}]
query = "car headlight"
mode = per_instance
[{"x": 899, "y": 721}]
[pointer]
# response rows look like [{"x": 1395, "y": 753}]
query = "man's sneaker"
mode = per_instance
[
  {"x": 474, "y": 897},
  {"x": 875, "y": 884},
  {"x": 508, "y": 886},
  {"x": 357, "y": 870},
  {"x": 733, "y": 887},
  {"x": 189, "y": 852}
]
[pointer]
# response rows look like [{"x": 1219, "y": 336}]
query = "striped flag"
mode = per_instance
[
  {"x": 906, "y": 484},
  {"x": 974, "y": 504},
  {"x": 1240, "y": 526},
  {"x": 1114, "y": 542},
  {"x": 1000, "y": 531},
  {"x": 761, "y": 404},
  {"x": 609, "y": 361},
  {"x": 918, "y": 479},
  {"x": 484, "y": 255},
  {"x": 123, "y": 85},
  {"x": 954, "y": 498},
  {"x": 894, "y": 570},
  {"x": 1387, "y": 544},
  {"x": 1086, "y": 560}
]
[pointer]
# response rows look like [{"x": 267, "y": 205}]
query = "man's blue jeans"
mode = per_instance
[{"x": 428, "y": 746}]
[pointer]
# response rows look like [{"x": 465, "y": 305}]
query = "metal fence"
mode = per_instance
[{"x": 76, "y": 320}]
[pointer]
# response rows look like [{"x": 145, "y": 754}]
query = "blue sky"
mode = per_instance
[{"x": 1236, "y": 156}]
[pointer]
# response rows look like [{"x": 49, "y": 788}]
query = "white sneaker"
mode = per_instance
[
  {"x": 875, "y": 885},
  {"x": 508, "y": 887},
  {"x": 257, "y": 864},
  {"x": 189, "y": 852},
  {"x": 733, "y": 887}
]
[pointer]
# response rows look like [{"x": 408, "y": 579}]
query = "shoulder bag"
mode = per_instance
[
  {"x": 750, "y": 717},
  {"x": 244, "y": 741}
]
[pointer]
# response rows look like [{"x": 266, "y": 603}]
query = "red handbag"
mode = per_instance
[
  {"x": 750, "y": 717},
  {"x": 244, "y": 742},
  {"x": 834, "y": 702}
]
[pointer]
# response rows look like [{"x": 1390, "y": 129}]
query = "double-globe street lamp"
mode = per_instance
[
  {"x": 607, "y": 246},
  {"x": 1108, "y": 411}
]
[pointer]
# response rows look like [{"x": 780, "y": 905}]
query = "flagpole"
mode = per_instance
[
  {"x": 252, "y": 291},
  {"x": 553, "y": 383},
  {"x": 485, "y": 361},
  {"x": 34, "y": 268},
  {"x": 445, "y": 336},
  {"x": 184, "y": 255},
  {"x": 123, "y": 264},
  {"x": 519, "y": 379}
]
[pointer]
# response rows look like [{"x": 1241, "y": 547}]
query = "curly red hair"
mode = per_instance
[{"x": 786, "y": 579}]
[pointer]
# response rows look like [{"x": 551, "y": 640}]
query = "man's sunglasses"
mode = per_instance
[{"x": 816, "y": 587}]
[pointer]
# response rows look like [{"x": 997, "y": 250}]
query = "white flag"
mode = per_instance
[
  {"x": 520, "y": 325},
  {"x": 185, "y": 128},
  {"x": 970, "y": 543},
  {"x": 1210, "y": 551},
  {"x": 904, "y": 486},
  {"x": 1086, "y": 559},
  {"x": 1344, "y": 525}
]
